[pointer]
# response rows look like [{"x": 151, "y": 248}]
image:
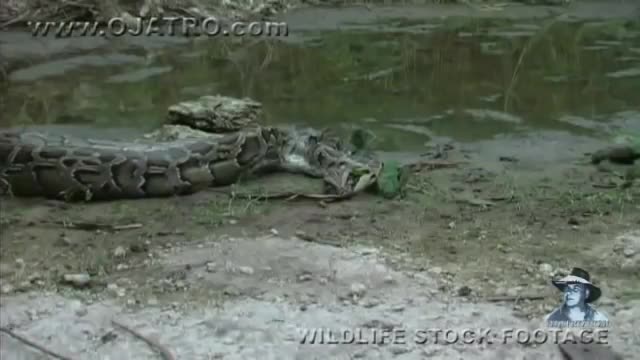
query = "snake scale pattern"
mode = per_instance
[{"x": 38, "y": 164}]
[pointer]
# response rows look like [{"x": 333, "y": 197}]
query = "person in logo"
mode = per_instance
[{"x": 579, "y": 292}]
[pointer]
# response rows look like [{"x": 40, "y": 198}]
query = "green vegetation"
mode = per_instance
[{"x": 402, "y": 81}]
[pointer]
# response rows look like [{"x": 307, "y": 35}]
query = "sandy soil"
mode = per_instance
[
  {"x": 256, "y": 274},
  {"x": 259, "y": 297}
]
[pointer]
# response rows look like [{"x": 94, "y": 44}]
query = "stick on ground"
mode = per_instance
[
  {"x": 34, "y": 345},
  {"x": 164, "y": 352}
]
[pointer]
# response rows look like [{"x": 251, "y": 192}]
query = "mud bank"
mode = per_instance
[
  {"x": 259, "y": 296},
  {"x": 313, "y": 18}
]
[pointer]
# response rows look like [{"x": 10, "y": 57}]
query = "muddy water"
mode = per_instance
[{"x": 409, "y": 80}]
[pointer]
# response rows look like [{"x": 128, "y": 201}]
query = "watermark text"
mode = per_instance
[
  {"x": 165, "y": 26},
  {"x": 478, "y": 336}
]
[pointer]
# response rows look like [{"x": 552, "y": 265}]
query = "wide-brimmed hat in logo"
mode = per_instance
[{"x": 579, "y": 276}]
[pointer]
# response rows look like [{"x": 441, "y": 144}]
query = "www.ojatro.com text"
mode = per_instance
[{"x": 164, "y": 26}]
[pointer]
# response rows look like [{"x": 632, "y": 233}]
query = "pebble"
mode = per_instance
[
  {"x": 514, "y": 291},
  {"x": 368, "y": 251},
  {"x": 120, "y": 252},
  {"x": 116, "y": 289},
  {"x": 546, "y": 269},
  {"x": 357, "y": 290},
  {"x": 464, "y": 291},
  {"x": 77, "y": 280},
  {"x": 398, "y": 350},
  {"x": 629, "y": 251},
  {"x": 6, "y": 270},
  {"x": 81, "y": 312},
  {"x": 371, "y": 303},
  {"x": 247, "y": 270},
  {"x": 64, "y": 240}
]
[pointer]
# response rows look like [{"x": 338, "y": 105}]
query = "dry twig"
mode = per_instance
[
  {"x": 34, "y": 345},
  {"x": 164, "y": 352}
]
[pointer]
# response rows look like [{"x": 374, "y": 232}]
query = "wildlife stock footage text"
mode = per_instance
[{"x": 465, "y": 336}]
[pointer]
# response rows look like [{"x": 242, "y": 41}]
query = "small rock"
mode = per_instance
[
  {"x": 81, "y": 312},
  {"x": 233, "y": 221},
  {"x": 6, "y": 270},
  {"x": 546, "y": 269},
  {"x": 152, "y": 301},
  {"x": 305, "y": 277},
  {"x": 247, "y": 270},
  {"x": 398, "y": 308},
  {"x": 398, "y": 350},
  {"x": 436, "y": 270},
  {"x": 120, "y": 252},
  {"x": 452, "y": 225},
  {"x": 513, "y": 292},
  {"x": 64, "y": 240},
  {"x": 274, "y": 232},
  {"x": 628, "y": 251},
  {"x": 464, "y": 291},
  {"x": 108, "y": 337},
  {"x": 121, "y": 267},
  {"x": 573, "y": 221},
  {"x": 389, "y": 279},
  {"x": 371, "y": 303},
  {"x": 7, "y": 289},
  {"x": 77, "y": 280},
  {"x": 368, "y": 251},
  {"x": 357, "y": 290},
  {"x": 35, "y": 277},
  {"x": 359, "y": 355},
  {"x": 211, "y": 267},
  {"x": 139, "y": 248},
  {"x": 32, "y": 314},
  {"x": 114, "y": 288}
]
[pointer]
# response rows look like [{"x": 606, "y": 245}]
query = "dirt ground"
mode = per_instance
[
  {"x": 257, "y": 272},
  {"x": 216, "y": 275}
]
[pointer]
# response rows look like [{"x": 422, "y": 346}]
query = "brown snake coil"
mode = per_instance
[{"x": 34, "y": 164}]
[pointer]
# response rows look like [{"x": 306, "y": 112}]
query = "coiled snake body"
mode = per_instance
[{"x": 36, "y": 164}]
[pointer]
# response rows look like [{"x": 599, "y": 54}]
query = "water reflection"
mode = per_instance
[{"x": 466, "y": 80}]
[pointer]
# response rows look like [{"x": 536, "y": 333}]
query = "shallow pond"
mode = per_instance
[{"x": 409, "y": 81}]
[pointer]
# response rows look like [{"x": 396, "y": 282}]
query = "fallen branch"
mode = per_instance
[
  {"x": 97, "y": 226},
  {"x": 433, "y": 165},
  {"x": 287, "y": 195},
  {"x": 34, "y": 345},
  {"x": 514, "y": 298},
  {"x": 164, "y": 352}
]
